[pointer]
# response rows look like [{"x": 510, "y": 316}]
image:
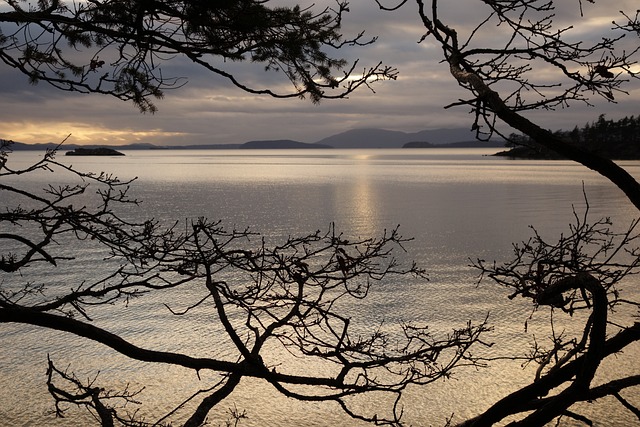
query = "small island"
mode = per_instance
[{"x": 98, "y": 151}]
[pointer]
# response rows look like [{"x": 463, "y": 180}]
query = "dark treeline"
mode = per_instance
[{"x": 614, "y": 139}]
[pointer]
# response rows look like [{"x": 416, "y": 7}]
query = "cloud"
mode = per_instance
[{"x": 208, "y": 109}]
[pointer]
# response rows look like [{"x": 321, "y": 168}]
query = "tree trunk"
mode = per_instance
[{"x": 605, "y": 167}]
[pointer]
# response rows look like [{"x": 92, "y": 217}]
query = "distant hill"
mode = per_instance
[
  {"x": 381, "y": 138},
  {"x": 357, "y": 138},
  {"x": 281, "y": 144},
  {"x": 190, "y": 147},
  {"x": 20, "y": 146},
  {"x": 462, "y": 144},
  {"x": 367, "y": 138},
  {"x": 446, "y": 135},
  {"x": 419, "y": 144}
]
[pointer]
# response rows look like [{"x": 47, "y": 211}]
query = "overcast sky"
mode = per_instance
[{"x": 210, "y": 110}]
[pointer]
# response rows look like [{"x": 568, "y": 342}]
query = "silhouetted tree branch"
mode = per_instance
[
  {"x": 119, "y": 47},
  {"x": 578, "y": 273},
  {"x": 506, "y": 77},
  {"x": 263, "y": 297},
  {"x": 503, "y": 79},
  {"x": 532, "y": 43},
  {"x": 286, "y": 296}
]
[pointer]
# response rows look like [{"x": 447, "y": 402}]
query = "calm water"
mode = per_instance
[{"x": 457, "y": 203}]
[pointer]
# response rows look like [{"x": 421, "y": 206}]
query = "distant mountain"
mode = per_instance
[
  {"x": 445, "y": 136},
  {"x": 280, "y": 143},
  {"x": 367, "y": 138},
  {"x": 381, "y": 138},
  {"x": 20, "y": 146},
  {"x": 357, "y": 138},
  {"x": 462, "y": 144},
  {"x": 419, "y": 144},
  {"x": 190, "y": 147},
  {"x": 475, "y": 144}
]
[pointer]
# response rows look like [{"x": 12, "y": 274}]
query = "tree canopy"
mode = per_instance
[
  {"x": 506, "y": 77},
  {"x": 612, "y": 139},
  {"x": 291, "y": 295},
  {"x": 120, "y": 48}
]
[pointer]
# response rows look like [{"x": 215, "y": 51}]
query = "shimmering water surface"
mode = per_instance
[{"x": 457, "y": 203}]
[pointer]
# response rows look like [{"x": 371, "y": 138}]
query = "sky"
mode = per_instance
[{"x": 210, "y": 110}]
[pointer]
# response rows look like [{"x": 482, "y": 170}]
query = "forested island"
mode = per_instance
[
  {"x": 613, "y": 139},
  {"x": 98, "y": 151}
]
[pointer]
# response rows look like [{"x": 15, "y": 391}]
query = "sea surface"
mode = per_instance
[{"x": 457, "y": 204}]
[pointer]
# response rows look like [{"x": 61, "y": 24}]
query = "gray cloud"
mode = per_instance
[{"x": 210, "y": 110}]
